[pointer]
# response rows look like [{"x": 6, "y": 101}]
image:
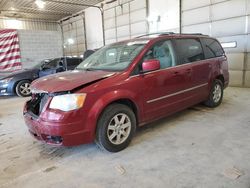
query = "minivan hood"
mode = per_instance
[{"x": 67, "y": 81}]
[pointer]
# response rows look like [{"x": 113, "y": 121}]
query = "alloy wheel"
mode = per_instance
[
  {"x": 119, "y": 128},
  {"x": 25, "y": 89},
  {"x": 217, "y": 93}
]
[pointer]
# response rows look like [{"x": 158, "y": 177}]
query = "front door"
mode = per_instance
[
  {"x": 163, "y": 89},
  {"x": 52, "y": 67}
]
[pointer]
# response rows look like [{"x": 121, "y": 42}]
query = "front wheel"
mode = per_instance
[
  {"x": 23, "y": 88},
  {"x": 215, "y": 95},
  {"x": 115, "y": 128}
]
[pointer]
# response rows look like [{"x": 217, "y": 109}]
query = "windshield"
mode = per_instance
[
  {"x": 51, "y": 64},
  {"x": 116, "y": 57},
  {"x": 39, "y": 65}
]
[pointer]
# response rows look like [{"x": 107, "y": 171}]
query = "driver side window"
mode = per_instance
[
  {"x": 51, "y": 65},
  {"x": 162, "y": 51}
]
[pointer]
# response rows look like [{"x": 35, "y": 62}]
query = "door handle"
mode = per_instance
[
  {"x": 188, "y": 71},
  {"x": 176, "y": 73}
]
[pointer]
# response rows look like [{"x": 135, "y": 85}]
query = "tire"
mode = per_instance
[
  {"x": 215, "y": 94},
  {"x": 116, "y": 121},
  {"x": 23, "y": 88}
]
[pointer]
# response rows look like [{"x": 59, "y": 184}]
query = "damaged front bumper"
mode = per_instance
[{"x": 54, "y": 127}]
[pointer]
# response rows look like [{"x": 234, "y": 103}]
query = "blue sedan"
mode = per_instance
[{"x": 19, "y": 82}]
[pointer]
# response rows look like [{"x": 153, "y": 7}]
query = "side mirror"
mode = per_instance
[{"x": 151, "y": 65}]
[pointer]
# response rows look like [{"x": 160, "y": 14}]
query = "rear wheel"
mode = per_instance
[
  {"x": 115, "y": 128},
  {"x": 215, "y": 95},
  {"x": 23, "y": 88}
]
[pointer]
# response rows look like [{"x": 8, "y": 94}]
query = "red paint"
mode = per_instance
[
  {"x": 79, "y": 126},
  {"x": 68, "y": 80},
  {"x": 151, "y": 65}
]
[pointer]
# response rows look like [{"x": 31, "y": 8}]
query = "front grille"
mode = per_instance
[{"x": 37, "y": 103}]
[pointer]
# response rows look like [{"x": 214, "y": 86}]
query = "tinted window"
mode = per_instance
[
  {"x": 189, "y": 50},
  {"x": 212, "y": 48},
  {"x": 51, "y": 64},
  {"x": 73, "y": 61},
  {"x": 162, "y": 51}
]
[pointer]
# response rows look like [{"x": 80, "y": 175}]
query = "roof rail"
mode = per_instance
[
  {"x": 169, "y": 33},
  {"x": 192, "y": 34},
  {"x": 159, "y": 33}
]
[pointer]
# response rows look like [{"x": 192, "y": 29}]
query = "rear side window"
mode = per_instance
[
  {"x": 51, "y": 64},
  {"x": 212, "y": 48},
  {"x": 189, "y": 50},
  {"x": 73, "y": 62}
]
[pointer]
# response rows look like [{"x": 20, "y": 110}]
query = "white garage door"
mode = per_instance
[{"x": 125, "y": 21}]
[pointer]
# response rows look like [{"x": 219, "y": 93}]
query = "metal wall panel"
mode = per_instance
[
  {"x": 110, "y": 13},
  {"x": 248, "y": 61},
  {"x": 247, "y": 79},
  {"x": 110, "y": 41},
  {"x": 37, "y": 45},
  {"x": 125, "y": 8},
  {"x": 109, "y": 23},
  {"x": 190, "y": 17},
  {"x": 217, "y": 1},
  {"x": 137, "y": 5},
  {"x": 138, "y": 15},
  {"x": 247, "y": 43},
  {"x": 110, "y": 34},
  {"x": 227, "y": 20},
  {"x": 138, "y": 28},
  {"x": 29, "y": 25},
  {"x": 122, "y": 31},
  {"x": 124, "y": 20},
  {"x": 236, "y": 78},
  {"x": 228, "y": 9},
  {"x": 248, "y": 24},
  {"x": 240, "y": 40},
  {"x": 73, "y": 29},
  {"x": 200, "y": 28},
  {"x": 234, "y": 26},
  {"x": 191, "y": 4},
  {"x": 236, "y": 61},
  {"x": 163, "y": 15},
  {"x": 248, "y": 7},
  {"x": 123, "y": 38}
]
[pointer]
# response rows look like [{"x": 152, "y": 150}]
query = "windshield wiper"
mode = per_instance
[
  {"x": 89, "y": 69},
  {"x": 86, "y": 69}
]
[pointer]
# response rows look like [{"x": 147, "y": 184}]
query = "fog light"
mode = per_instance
[
  {"x": 3, "y": 91},
  {"x": 53, "y": 139}
]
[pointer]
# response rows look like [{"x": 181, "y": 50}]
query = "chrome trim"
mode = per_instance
[
  {"x": 160, "y": 70},
  {"x": 194, "y": 62},
  {"x": 177, "y": 93}
]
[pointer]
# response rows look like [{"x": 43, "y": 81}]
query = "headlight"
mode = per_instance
[
  {"x": 68, "y": 102},
  {"x": 5, "y": 81}
]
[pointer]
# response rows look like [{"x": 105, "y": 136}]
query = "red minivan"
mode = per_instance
[{"x": 125, "y": 85}]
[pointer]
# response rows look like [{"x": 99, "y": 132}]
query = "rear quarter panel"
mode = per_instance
[{"x": 220, "y": 67}]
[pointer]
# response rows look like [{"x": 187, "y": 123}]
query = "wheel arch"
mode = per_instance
[
  {"x": 15, "y": 84},
  {"x": 129, "y": 103},
  {"x": 122, "y": 97},
  {"x": 221, "y": 78}
]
